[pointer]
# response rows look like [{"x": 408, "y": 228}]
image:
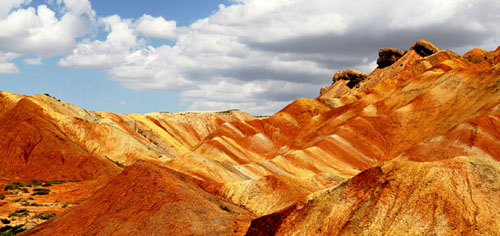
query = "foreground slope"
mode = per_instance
[
  {"x": 147, "y": 199},
  {"x": 449, "y": 197}
]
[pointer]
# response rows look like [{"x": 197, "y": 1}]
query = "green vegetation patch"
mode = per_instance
[
  {"x": 11, "y": 230},
  {"x": 44, "y": 216},
  {"x": 18, "y": 213},
  {"x": 40, "y": 191},
  {"x": 57, "y": 182}
]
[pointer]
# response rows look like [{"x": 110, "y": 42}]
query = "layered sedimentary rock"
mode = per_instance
[
  {"x": 323, "y": 141},
  {"x": 412, "y": 148},
  {"x": 449, "y": 197},
  {"x": 45, "y": 139}
]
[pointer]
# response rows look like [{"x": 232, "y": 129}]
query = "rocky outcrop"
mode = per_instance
[
  {"x": 353, "y": 76},
  {"x": 388, "y": 56},
  {"x": 424, "y": 48}
]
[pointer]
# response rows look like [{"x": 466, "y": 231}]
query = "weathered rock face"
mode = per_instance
[
  {"x": 388, "y": 56},
  {"x": 353, "y": 77},
  {"x": 424, "y": 48}
]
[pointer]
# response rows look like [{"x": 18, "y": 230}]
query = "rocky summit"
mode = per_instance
[{"x": 413, "y": 148}]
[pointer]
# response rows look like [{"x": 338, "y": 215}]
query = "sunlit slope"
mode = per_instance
[
  {"x": 45, "y": 138},
  {"x": 449, "y": 197},
  {"x": 320, "y": 142}
]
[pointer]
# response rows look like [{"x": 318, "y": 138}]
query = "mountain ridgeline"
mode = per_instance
[{"x": 413, "y": 148}]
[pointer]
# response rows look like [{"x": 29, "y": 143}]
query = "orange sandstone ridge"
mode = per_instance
[{"x": 411, "y": 148}]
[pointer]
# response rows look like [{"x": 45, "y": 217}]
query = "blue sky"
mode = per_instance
[
  {"x": 254, "y": 55},
  {"x": 90, "y": 88}
]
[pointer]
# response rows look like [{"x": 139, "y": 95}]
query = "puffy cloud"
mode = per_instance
[
  {"x": 33, "y": 61},
  {"x": 108, "y": 53},
  {"x": 39, "y": 32},
  {"x": 7, "y": 5},
  {"x": 157, "y": 27},
  {"x": 258, "y": 55},
  {"x": 5, "y": 66}
]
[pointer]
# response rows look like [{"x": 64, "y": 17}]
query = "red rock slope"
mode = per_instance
[
  {"x": 45, "y": 139},
  {"x": 147, "y": 199}
]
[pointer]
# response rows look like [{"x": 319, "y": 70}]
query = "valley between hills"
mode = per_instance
[{"x": 413, "y": 148}]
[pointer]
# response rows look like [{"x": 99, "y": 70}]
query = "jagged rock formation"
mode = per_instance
[
  {"x": 352, "y": 76},
  {"x": 424, "y": 48},
  {"x": 388, "y": 56},
  {"x": 413, "y": 148}
]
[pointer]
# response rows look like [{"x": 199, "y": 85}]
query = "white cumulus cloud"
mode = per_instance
[
  {"x": 156, "y": 27},
  {"x": 256, "y": 55},
  {"x": 7, "y": 67},
  {"x": 37, "y": 31},
  {"x": 259, "y": 55}
]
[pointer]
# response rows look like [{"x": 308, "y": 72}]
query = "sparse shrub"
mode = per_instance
[
  {"x": 24, "y": 190},
  {"x": 5, "y": 221},
  {"x": 2, "y": 196},
  {"x": 35, "y": 183},
  {"x": 33, "y": 204},
  {"x": 44, "y": 216},
  {"x": 46, "y": 185},
  {"x": 57, "y": 182},
  {"x": 10, "y": 187},
  {"x": 64, "y": 205},
  {"x": 74, "y": 181},
  {"x": 11, "y": 230},
  {"x": 21, "y": 212},
  {"x": 224, "y": 207},
  {"x": 116, "y": 162},
  {"x": 16, "y": 185},
  {"x": 40, "y": 191},
  {"x": 119, "y": 164}
]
